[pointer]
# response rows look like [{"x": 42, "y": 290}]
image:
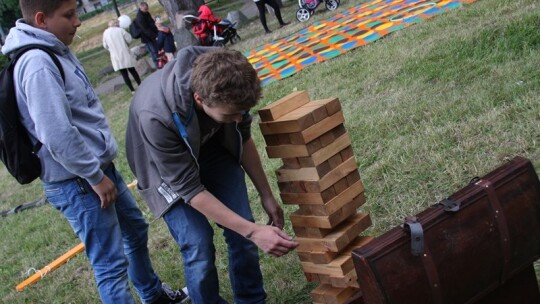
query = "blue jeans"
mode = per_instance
[
  {"x": 151, "y": 47},
  {"x": 225, "y": 179},
  {"x": 115, "y": 238}
]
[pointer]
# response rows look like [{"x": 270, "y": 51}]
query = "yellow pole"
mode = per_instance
[
  {"x": 52, "y": 266},
  {"x": 59, "y": 261}
]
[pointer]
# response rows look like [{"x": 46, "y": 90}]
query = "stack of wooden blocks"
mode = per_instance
[{"x": 320, "y": 175}]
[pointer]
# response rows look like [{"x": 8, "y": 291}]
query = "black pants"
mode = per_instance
[
  {"x": 135, "y": 75},
  {"x": 262, "y": 12}
]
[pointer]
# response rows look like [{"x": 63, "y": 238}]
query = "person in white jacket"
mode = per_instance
[{"x": 116, "y": 40}]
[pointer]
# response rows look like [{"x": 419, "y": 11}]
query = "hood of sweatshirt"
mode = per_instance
[{"x": 23, "y": 34}]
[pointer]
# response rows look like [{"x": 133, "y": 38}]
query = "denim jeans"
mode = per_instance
[
  {"x": 151, "y": 47},
  {"x": 115, "y": 238},
  {"x": 225, "y": 179}
]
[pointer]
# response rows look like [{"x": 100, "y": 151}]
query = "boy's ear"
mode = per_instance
[
  {"x": 198, "y": 99},
  {"x": 39, "y": 20}
]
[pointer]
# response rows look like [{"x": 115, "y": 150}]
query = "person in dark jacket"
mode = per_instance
[
  {"x": 188, "y": 142},
  {"x": 149, "y": 31}
]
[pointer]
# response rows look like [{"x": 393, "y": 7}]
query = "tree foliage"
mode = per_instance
[{"x": 10, "y": 12}]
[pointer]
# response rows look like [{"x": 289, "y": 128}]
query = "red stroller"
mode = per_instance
[{"x": 211, "y": 30}]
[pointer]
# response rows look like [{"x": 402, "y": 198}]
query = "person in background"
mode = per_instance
[
  {"x": 262, "y": 13},
  {"x": 188, "y": 142},
  {"x": 149, "y": 30},
  {"x": 78, "y": 174},
  {"x": 116, "y": 40},
  {"x": 165, "y": 40}
]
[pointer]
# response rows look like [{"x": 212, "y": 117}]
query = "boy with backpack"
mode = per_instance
[
  {"x": 189, "y": 144},
  {"x": 77, "y": 153}
]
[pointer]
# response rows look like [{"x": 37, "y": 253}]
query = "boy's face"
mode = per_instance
[
  {"x": 64, "y": 22},
  {"x": 223, "y": 113},
  {"x": 220, "y": 113}
]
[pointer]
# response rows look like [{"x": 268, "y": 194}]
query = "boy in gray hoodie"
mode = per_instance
[
  {"x": 78, "y": 174},
  {"x": 189, "y": 143}
]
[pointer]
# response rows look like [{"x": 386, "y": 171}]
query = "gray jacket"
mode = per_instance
[
  {"x": 164, "y": 161},
  {"x": 66, "y": 116}
]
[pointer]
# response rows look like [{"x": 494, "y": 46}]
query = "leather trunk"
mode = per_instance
[{"x": 461, "y": 249}]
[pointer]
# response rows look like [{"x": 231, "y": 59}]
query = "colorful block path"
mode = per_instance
[{"x": 348, "y": 30}]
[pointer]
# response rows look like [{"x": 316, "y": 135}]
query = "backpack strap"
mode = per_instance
[
  {"x": 47, "y": 50},
  {"x": 51, "y": 54}
]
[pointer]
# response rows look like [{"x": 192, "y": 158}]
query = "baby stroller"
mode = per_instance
[
  {"x": 307, "y": 8},
  {"x": 212, "y": 31}
]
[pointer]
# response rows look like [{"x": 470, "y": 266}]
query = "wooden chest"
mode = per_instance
[{"x": 462, "y": 249}]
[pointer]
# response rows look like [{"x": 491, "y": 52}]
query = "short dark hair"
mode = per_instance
[
  {"x": 30, "y": 8},
  {"x": 225, "y": 76}
]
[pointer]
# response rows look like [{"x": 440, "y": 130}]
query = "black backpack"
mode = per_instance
[
  {"x": 135, "y": 30},
  {"x": 17, "y": 152}
]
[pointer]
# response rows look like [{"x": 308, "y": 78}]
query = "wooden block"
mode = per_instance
[
  {"x": 286, "y": 151},
  {"x": 332, "y": 105},
  {"x": 272, "y": 140},
  {"x": 283, "y": 106},
  {"x": 311, "y": 232},
  {"x": 291, "y": 163},
  {"x": 345, "y": 197},
  {"x": 317, "y": 257},
  {"x": 306, "y": 220},
  {"x": 295, "y": 121},
  {"x": 350, "y": 279},
  {"x": 318, "y": 293},
  {"x": 341, "y": 171},
  {"x": 323, "y": 129},
  {"x": 339, "y": 238},
  {"x": 305, "y": 174},
  {"x": 332, "y": 295},
  {"x": 328, "y": 294},
  {"x": 302, "y": 198},
  {"x": 341, "y": 265},
  {"x": 346, "y": 169},
  {"x": 328, "y": 256},
  {"x": 325, "y": 153},
  {"x": 324, "y": 126}
]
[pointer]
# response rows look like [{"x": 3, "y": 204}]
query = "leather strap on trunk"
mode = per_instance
[
  {"x": 501, "y": 224},
  {"x": 418, "y": 248},
  {"x": 433, "y": 276}
]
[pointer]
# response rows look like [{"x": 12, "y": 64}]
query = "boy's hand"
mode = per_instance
[
  {"x": 106, "y": 190},
  {"x": 274, "y": 211},
  {"x": 272, "y": 240}
]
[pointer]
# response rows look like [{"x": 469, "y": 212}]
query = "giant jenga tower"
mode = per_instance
[{"x": 319, "y": 174}]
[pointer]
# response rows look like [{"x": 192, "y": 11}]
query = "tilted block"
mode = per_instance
[
  {"x": 344, "y": 169},
  {"x": 300, "y": 119},
  {"x": 308, "y": 220},
  {"x": 339, "y": 238},
  {"x": 353, "y": 193},
  {"x": 327, "y": 256},
  {"x": 284, "y": 105}
]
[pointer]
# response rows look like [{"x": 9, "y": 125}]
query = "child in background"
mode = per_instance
[{"x": 165, "y": 40}]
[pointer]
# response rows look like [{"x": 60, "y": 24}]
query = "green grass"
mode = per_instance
[{"x": 427, "y": 108}]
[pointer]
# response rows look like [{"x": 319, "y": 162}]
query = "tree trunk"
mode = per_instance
[
  {"x": 172, "y": 7},
  {"x": 115, "y": 5},
  {"x": 176, "y": 9}
]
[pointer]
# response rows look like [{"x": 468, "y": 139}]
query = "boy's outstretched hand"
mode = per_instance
[{"x": 272, "y": 240}]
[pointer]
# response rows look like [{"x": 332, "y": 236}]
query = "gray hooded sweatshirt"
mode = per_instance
[
  {"x": 164, "y": 160},
  {"x": 65, "y": 116}
]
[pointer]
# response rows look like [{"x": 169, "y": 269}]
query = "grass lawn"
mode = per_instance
[{"x": 427, "y": 108}]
